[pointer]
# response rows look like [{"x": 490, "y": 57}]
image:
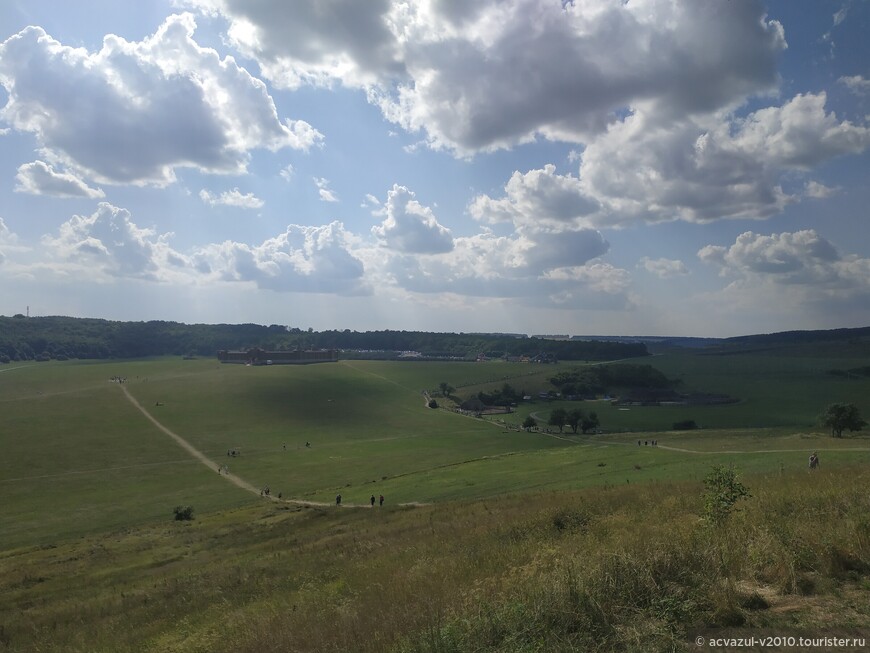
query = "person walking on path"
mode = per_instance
[
  {"x": 338, "y": 499},
  {"x": 373, "y": 501},
  {"x": 382, "y": 500}
]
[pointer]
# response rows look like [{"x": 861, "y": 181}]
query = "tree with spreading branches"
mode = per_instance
[{"x": 839, "y": 417}]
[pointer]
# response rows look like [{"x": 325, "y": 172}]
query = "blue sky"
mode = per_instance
[{"x": 656, "y": 167}]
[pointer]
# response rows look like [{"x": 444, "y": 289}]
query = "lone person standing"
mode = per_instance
[{"x": 814, "y": 460}]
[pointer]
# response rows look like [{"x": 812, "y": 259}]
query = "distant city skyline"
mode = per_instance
[{"x": 513, "y": 166}]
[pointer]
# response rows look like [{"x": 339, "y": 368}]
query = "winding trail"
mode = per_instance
[
  {"x": 233, "y": 478},
  {"x": 20, "y": 367},
  {"x": 739, "y": 451},
  {"x": 189, "y": 448}
]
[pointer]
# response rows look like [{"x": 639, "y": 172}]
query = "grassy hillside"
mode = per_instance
[
  {"x": 81, "y": 459},
  {"x": 491, "y": 539},
  {"x": 617, "y": 568}
]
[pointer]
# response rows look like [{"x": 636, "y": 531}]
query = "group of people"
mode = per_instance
[
  {"x": 372, "y": 499},
  {"x": 654, "y": 443}
]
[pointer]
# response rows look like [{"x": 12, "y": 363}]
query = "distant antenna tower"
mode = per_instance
[{"x": 28, "y": 311}]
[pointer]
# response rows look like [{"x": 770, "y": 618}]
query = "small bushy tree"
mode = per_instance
[
  {"x": 558, "y": 417},
  {"x": 529, "y": 423},
  {"x": 575, "y": 417},
  {"x": 589, "y": 423},
  {"x": 724, "y": 490},
  {"x": 183, "y": 513}
]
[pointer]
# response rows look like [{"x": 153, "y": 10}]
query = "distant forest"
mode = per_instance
[{"x": 61, "y": 338}]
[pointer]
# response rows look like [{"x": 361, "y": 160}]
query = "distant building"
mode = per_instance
[{"x": 257, "y": 356}]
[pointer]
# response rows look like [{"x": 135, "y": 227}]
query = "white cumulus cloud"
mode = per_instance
[
  {"x": 410, "y": 227},
  {"x": 664, "y": 268},
  {"x": 538, "y": 197},
  {"x": 109, "y": 243},
  {"x": 791, "y": 257},
  {"x": 714, "y": 167},
  {"x": 134, "y": 111},
  {"x": 313, "y": 41},
  {"x": 302, "y": 259},
  {"x": 324, "y": 191},
  {"x": 800, "y": 268},
  {"x": 233, "y": 198},
  {"x": 40, "y": 178},
  {"x": 490, "y": 74},
  {"x": 287, "y": 172},
  {"x": 540, "y": 268},
  {"x": 856, "y": 83},
  {"x": 818, "y": 190}
]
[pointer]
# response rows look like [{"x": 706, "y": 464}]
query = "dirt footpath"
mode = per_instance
[
  {"x": 193, "y": 451},
  {"x": 213, "y": 465}
]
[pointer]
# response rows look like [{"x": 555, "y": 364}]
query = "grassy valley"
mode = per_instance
[{"x": 491, "y": 538}]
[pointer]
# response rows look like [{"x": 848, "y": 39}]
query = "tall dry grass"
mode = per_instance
[{"x": 627, "y": 568}]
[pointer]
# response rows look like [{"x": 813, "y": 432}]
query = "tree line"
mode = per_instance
[
  {"x": 60, "y": 338},
  {"x": 590, "y": 382}
]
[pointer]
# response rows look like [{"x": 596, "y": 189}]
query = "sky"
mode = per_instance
[{"x": 613, "y": 167}]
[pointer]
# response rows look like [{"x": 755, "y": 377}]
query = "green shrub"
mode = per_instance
[
  {"x": 723, "y": 492},
  {"x": 183, "y": 513}
]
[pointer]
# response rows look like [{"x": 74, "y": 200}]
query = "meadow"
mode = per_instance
[
  {"x": 89, "y": 485},
  {"x": 80, "y": 458}
]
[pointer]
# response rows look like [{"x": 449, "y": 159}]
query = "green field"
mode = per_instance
[
  {"x": 80, "y": 458},
  {"x": 773, "y": 391},
  {"x": 92, "y": 559}
]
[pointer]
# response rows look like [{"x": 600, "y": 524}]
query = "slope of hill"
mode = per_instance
[
  {"x": 509, "y": 541},
  {"x": 848, "y": 342},
  {"x": 620, "y": 568}
]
